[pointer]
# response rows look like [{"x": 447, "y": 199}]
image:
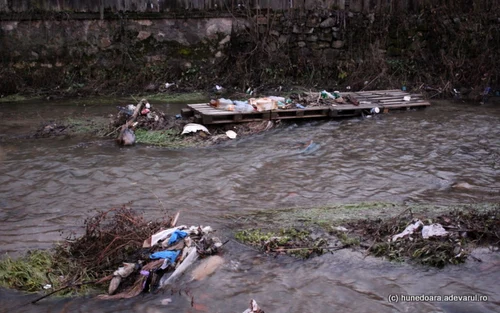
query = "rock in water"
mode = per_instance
[
  {"x": 462, "y": 185},
  {"x": 127, "y": 137}
]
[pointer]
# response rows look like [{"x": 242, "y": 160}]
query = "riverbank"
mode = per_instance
[{"x": 437, "y": 49}]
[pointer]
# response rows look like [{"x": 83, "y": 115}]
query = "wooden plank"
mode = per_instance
[
  {"x": 386, "y": 100},
  {"x": 187, "y": 112},
  {"x": 299, "y": 117},
  {"x": 402, "y": 103},
  {"x": 406, "y": 105},
  {"x": 207, "y": 119}
]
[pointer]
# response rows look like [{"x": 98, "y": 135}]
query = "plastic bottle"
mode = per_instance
[
  {"x": 325, "y": 94},
  {"x": 243, "y": 107},
  {"x": 277, "y": 99},
  {"x": 224, "y": 104}
]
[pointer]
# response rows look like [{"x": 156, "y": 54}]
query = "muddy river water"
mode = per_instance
[{"x": 48, "y": 186}]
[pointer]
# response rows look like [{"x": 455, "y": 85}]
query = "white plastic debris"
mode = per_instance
[
  {"x": 462, "y": 185},
  {"x": 168, "y": 85},
  {"x": 122, "y": 272},
  {"x": 218, "y": 88},
  {"x": 340, "y": 228},
  {"x": 47, "y": 286},
  {"x": 131, "y": 107},
  {"x": 375, "y": 110},
  {"x": 114, "y": 284},
  {"x": 254, "y": 307},
  {"x": 433, "y": 230},
  {"x": 407, "y": 98},
  {"x": 148, "y": 106},
  {"x": 193, "y": 128},
  {"x": 276, "y": 98},
  {"x": 126, "y": 270},
  {"x": 160, "y": 236},
  {"x": 207, "y": 230},
  {"x": 192, "y": 256},
  {"x": 199, "y": 230},
  {"x": 231, "y": 134},
  {"x": 410, "y": 229}
]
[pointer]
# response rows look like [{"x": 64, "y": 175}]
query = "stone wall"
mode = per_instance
[
  {"x": 321, "y": 48},
  {"x": 75, "y": 52}
]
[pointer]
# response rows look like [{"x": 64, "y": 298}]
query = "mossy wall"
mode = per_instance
[{"x": 325, "y": 48}]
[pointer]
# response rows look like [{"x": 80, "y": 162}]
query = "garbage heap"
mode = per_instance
[
  {"x": 295, "y": 101},
  {"x": 164, "y": 257},
  {"x": 148, "y": 117},
  {"x": 131, "y": 253}
]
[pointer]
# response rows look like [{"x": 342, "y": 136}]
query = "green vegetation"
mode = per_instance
[
  {"x": 44, "y": 269},
  {"x": 348, "y": 241},
  {"x": 336, "y": 214},
  {"x": 292, "y": 241},
  {"x": 253, "y": 237},
  {"x": 185, "y": 97},
  {"x": 28, "y": 273},
  {"x": 164, "y": 138},
  {"x": 16, "y": 97},
  {"x": 83, "y": 126}
]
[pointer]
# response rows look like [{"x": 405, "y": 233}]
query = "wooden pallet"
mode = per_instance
[{"x": 385, "y": 100}]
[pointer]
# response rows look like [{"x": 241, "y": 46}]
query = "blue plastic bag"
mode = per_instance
[
  {"x": 176, "y": 235},
  {"x": 170, "y": 255}
]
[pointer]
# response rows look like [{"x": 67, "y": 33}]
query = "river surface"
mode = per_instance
[{"x": 48, "y": 186}]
